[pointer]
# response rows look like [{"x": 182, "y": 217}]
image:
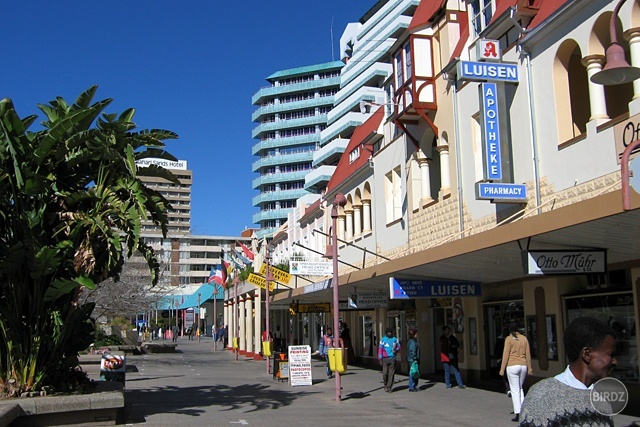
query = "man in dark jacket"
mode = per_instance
[{"x": 449, "y": 356}]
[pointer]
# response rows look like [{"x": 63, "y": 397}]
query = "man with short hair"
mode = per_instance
[
  {"x": 449, "y": 357},
  {"x": 387, "y": 349},
  {"x": 565, "y": 400}
]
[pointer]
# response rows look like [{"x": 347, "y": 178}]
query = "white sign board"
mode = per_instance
[
  {"x": 565, "y": 262},
  {"x": 300, "y": 365},
  {"x": 311, "y": 268},
  {"x": 368, "y": 300}
]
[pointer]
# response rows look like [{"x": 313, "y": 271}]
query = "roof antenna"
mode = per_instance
[{"x": 332, "y": 53}]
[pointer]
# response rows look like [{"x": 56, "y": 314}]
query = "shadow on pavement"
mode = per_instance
[{"x": 190, "y": 400}]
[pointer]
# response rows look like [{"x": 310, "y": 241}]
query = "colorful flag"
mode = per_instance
[
  {"x": 246, "y": 251},
  {"x": 241, "y": 258},
  {"x": 212, "y": 275}
]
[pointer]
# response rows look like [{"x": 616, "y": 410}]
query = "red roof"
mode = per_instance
[
  {"x": 547, "y": 8},
  {"x": 310, "y": 209},
  {"x": 424, "y": 13},
  {"x": 501, "y": 7},
  {"x": 345, "y": 169}
]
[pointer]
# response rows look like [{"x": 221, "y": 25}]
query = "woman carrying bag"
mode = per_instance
[
  {"x": 516, "y": 360},
  {"x": 413, "y": 358}
]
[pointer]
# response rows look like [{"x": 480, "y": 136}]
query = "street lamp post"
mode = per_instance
[
  {"x": 339, "y": 200},
  {"x": 236, "y": 307},
  {"x": 215, "y": 317},
  {"x": 617, "y": 71},
  {"x": 198, "y": 331},
  {"x": 267, "y": 281}
]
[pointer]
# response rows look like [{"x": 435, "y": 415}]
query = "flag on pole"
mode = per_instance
[
  {"x": 239, "y": 258},
  {"x": 246, "y": 250},
  {"x": 217, "y": 275}
]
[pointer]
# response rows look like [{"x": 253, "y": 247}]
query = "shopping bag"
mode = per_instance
[{"x": 415, "y": 370}]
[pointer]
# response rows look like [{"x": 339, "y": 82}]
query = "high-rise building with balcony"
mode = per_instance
[
  {"x": 178, "y": 195},
  {"x": 291, "y": 114},
  {"x": 365, "y": 48}
]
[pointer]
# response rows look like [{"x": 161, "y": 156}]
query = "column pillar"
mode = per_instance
[
  {"x": 349, "y": 220},
  {"x": 225, "y": 317},
  {"x": 232, "y": 326},
  {"x": 597, "y": 100},
  {"x": 242, "y": 319},
  {"x": 425, "y": 180},
  {"x": 257, "y": 323},
  {"x": 445, "y": 177},
  {"x": 340, "y": 227},
  {"x": 632, "y": 35},
  {"x": 249, "y": 322},
  {"x": 357, "y": 220},
  {"x": 366, "y": 216}
]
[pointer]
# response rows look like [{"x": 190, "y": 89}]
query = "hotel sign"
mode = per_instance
[
  {"x": 406, "y": 289},
  {"x": 565, "y": 262},
  {"x": 488, "y": 71}
]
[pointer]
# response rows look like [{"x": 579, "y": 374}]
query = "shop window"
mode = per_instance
[
  {"x": 617, "y": 310},
  {"x": 368, "y": 338}
]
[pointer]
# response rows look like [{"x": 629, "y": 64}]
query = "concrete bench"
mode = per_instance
[
  {"x": 159, "y": 348},
  {"x": 98, "y": 407}
]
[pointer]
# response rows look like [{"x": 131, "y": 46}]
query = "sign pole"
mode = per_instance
[{"x": 338, "y": 201}]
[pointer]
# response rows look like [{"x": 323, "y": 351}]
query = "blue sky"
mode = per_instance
[{"x": 187, "y": 66}]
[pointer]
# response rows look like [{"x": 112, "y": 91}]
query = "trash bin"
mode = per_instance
[
  {"x": 113, "y": 367},
  {"x": 280, "y": 366}
]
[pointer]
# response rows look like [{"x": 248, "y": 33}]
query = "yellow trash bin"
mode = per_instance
[
  {"x": 266, "y": 349},
  {"x": 236, "y": 343},
  {"x": 336, "y": 360}
]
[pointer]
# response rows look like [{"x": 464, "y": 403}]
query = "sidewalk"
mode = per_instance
[{"x": 198, "y": 386}]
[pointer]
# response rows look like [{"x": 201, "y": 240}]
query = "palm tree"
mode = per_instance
[{"x": 71, "y": 206}]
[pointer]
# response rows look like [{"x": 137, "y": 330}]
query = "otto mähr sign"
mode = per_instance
[
  {"x": 625, "y": 133},
  {"x": 565, "y": 262},
  {"x": 407, "y": 288}
]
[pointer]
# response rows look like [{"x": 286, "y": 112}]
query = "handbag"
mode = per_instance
[{"x": 414, "y": 372}]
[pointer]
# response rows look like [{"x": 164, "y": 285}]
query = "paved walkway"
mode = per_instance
[{"x": 199, "y": 387}]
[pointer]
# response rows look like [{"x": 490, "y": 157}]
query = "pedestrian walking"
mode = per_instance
[
  {"x": 387, "y": 350},
  {"x": 174, "y": 331},
  {"x": 225, "y": 336},
  {"x": 566, "y": 399},
  {"x": 325, "y": 344},
  {"x": 449, "y": 357},
  {"x": 516, "y": 363},
  {"x": 413, "y": 357}
]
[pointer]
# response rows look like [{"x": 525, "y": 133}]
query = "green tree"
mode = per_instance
[{"x": 71, "y": 206}]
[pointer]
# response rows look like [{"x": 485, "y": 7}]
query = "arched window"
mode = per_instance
[{"x": 571, "y": 88}]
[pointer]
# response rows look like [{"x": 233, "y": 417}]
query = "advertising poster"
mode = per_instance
[{"x": 300, "y": 365}]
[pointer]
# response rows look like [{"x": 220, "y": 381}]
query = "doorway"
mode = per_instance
[
  {"x": 497, "y": 318},
  {"x": 441, "y": 316}
]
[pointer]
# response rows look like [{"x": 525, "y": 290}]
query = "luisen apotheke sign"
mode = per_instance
[{"x": 565, "y": 262}]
